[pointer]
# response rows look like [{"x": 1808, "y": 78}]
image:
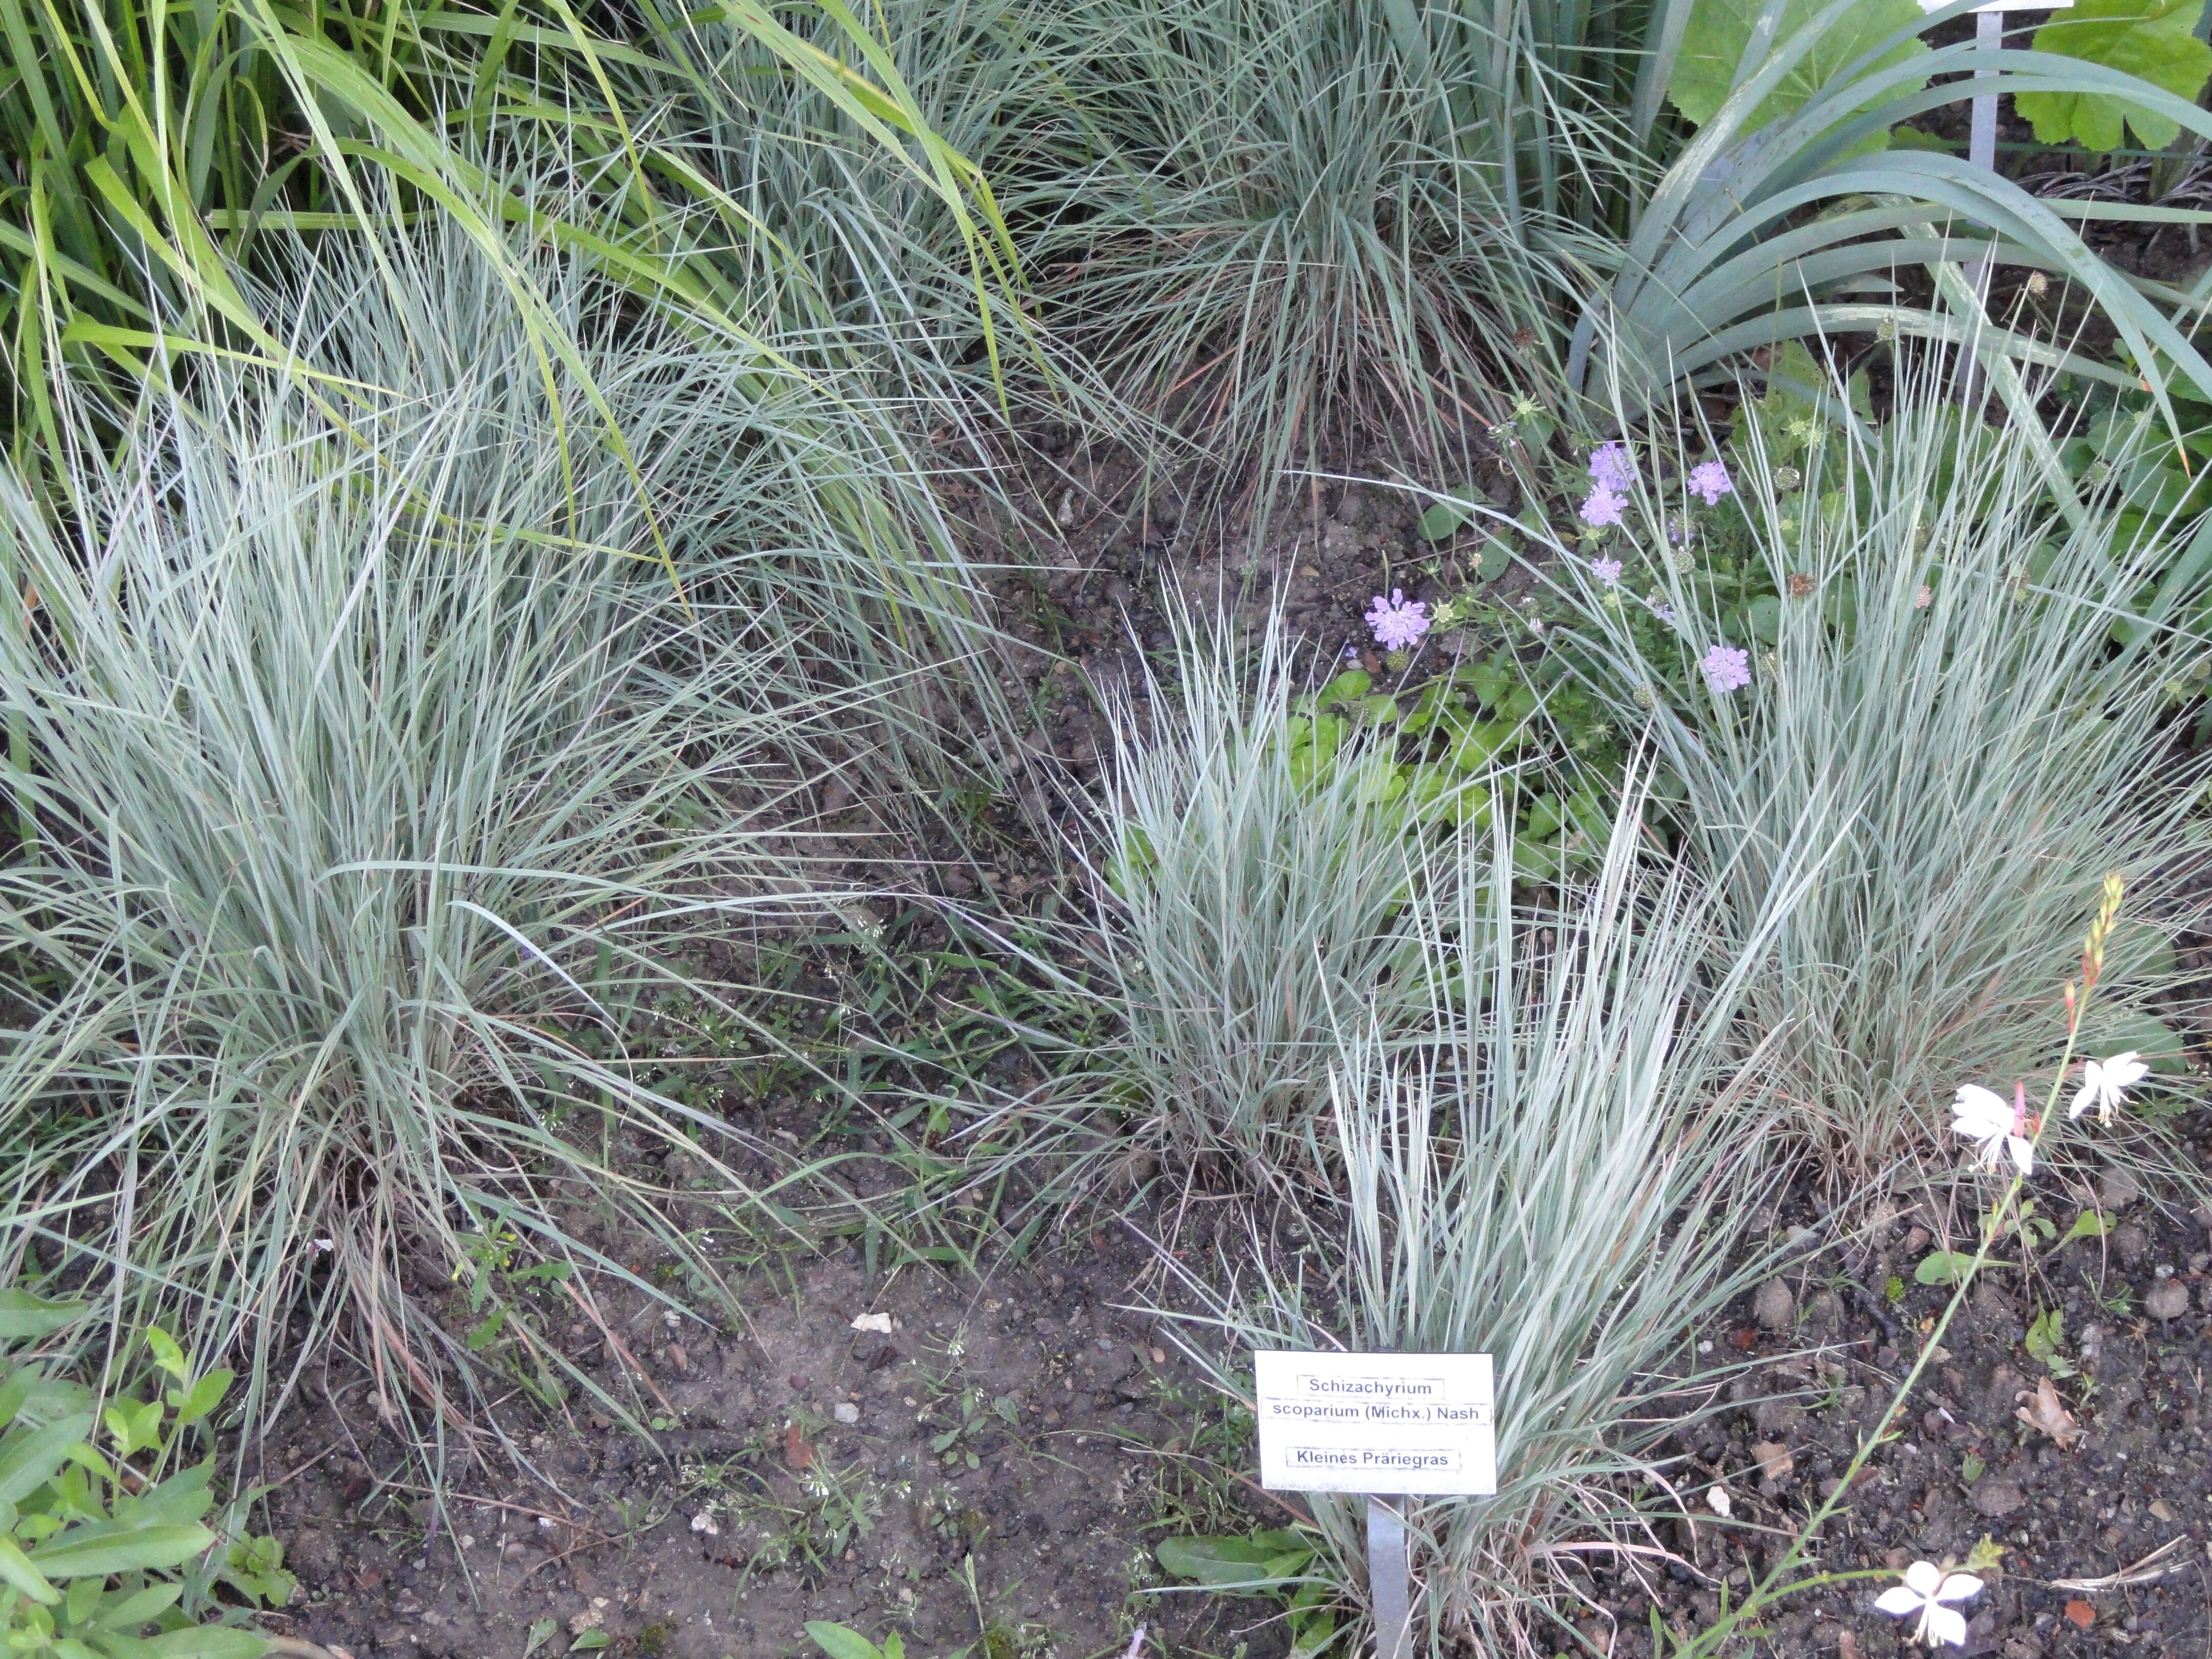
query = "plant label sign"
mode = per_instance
[{"x": 1422, "y": 1424}]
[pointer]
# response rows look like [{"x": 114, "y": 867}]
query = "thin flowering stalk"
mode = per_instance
[{"x": 1769, "y": 1588}]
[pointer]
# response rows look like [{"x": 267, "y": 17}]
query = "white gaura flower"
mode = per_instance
[
  {"x": 2102, "y": 1082},
  {"x": 1925, "y": 1589},
  {"x": 1995, "y": 1128}
]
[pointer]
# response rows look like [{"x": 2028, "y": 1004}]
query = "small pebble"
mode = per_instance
[
  {"x": 2167, "y": 1299},
  {"x": 846, "y": 1411},
  {"x": 1774, "y": 1307},
  {"x": 1997, "y": 1498}
]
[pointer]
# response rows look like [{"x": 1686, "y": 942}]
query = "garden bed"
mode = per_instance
[{"x": 1091, "y": 1440}]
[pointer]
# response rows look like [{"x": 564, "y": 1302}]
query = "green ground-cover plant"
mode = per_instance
[
  {"x": 1552, "y": 1177},
  {"x": 1973, "y": 698},
  {"x": 1498, "y": 734},
  {"x": 104, "y": 1545},
  {"x": 1273, "y": 1562},
  {"x": 364, "y": 782}
]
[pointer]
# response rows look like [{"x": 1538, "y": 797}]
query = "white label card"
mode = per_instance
[{"x": 1422, "y": 1424}]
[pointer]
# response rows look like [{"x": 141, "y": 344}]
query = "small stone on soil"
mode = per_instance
[
  {"x": 1997, "y": 1498},
  {"x": 2167, "y": 1299},
  {"x": 1774, "y": 1307}
]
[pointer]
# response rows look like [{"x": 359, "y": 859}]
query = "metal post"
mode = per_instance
[
  {"x": 1981, "y": 152},
  {"x": 1982, "y": 135},
  {"x": 1390, "y": 1580}
]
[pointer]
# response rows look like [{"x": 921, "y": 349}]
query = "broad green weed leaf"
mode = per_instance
[
  {"x": 841, "y": 1641},
  {"x": 25, "y": 1317},
  {"x": 166, "y": 1354},
  {"x": 541, "y": 1632},
  {"x": 84, "y": 1597},
  {"x": 17, "y": 1572},
  {"x": 1443, "y": 518},
  {"x": 1719, "y": 31},
  {"x": 2152, "y": 39},
  {"x": 31, "y": 1457},
  {"x": 106, "y": 1546},
  {"x": 1262, "y": 1557},
  {"x": 2159, "y": 1043},
  {"x": 2044, "y": 1341},
  {"x": 207, "y": 1393},
  {"x": 2090, "y": 1223},
  {"x": 212, "y": 1642},
  {"x": 135, "y": 1609},
  {"x": 1942, "y": 1267}
]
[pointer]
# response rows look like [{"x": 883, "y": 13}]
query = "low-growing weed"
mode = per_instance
[{"x": 101, "y": 1549}]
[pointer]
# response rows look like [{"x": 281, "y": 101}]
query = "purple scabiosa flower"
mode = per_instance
[
  {"x": 1726, "y": 668},
  {"x": 1611, "y": 468},
  {"x": 1606, "y": 570},
  {"x": 1709, "y": 481},
  {"x": 1660, "y": 608},
  {"x": 1603, "y": 507},
  {"x": 1398, "y": 622}
]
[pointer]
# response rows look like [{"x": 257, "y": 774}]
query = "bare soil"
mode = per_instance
[{"x": 990, "y": 1476}]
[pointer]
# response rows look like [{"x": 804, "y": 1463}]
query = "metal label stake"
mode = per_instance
[
  {"x": 1390, "y": 1580},
  {"x": 1981, "y": 133},
  {"x": 1419, "y": 1424}
]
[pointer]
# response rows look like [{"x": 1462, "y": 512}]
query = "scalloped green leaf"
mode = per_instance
[
  {"x": 2152, "y": 39},
  {"x": 1719, "y": 31}
]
